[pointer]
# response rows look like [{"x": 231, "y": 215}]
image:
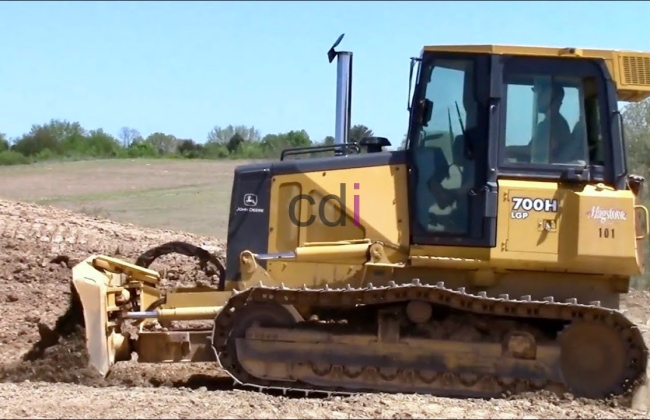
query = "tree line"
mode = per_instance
[{"x": 65, "y": 140}]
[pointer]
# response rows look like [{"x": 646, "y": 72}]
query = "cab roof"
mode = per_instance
[{"x": 629, "y": 69}]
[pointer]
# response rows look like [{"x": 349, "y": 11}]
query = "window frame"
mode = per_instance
[{"x": 564, "y": 67}]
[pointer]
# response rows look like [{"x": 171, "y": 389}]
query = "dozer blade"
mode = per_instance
[
  {"x": 91, "y": 286},
  {"x": 112, "y": 292},
  {"x": 97, "y": 282}
]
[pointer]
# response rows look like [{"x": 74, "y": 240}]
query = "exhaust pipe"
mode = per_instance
[{"x": 343, "y": 95}]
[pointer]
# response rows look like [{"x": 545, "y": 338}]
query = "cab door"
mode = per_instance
[{"x": 453, "y": 198}]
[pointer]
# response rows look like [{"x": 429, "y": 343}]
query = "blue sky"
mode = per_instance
[{"x": 184, "y": 67}]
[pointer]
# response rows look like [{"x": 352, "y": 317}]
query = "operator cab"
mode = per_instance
[{"x": 480, "y": 113}]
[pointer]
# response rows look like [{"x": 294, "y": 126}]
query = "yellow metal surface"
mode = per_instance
[
  {"x": 195, "y": 298},
  {"x": 382, "y": 210},
  {"x": 334, "y": 253},
  {"x": 114, "y": 265},
  {"x": 91, "y": 286},
  {"x": 149, "y": 295},
  {"x": 630, "y": 70},
  {"x": 592, "y": 232},
  {"x": 174, "y": 347},
  {"x": 328, "y": 254}
]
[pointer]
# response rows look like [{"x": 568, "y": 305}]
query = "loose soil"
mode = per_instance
[{"x": 43, "y": 371}]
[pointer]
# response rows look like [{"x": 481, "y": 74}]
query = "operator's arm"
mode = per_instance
[
  {"x": 520, "y": 152},
  {"x": 524, "y": 152}
]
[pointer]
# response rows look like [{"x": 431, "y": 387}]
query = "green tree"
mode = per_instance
[
  {"x": 163, "y": 143},
  {"x": 402, "y": 146},
  {"x": 235, "y": 143},
  {"x": 140, "y": 149},
  {"x": 4, "y": 142},
  {"x": 55, "y": 137},
  {"x": 191, "y": 150},
  {"x": 636, "y": 118},
  {"x": 273, "y": 144},
  {"x": 358, "y": 133},
  {"x": 129, "y": 135},
  {"x": 101, "y": 144},
  {"x": 222, "y": 135},
  {"x": 215, "y": 151},
  {"x": 36, "y": 141}
]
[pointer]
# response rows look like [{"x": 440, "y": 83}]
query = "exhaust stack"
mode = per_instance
[{"x": 343, "y": 94}]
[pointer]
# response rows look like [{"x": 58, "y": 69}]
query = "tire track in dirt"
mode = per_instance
[{"x": 35, "y": 291}]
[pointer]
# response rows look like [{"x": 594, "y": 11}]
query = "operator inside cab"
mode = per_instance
[
  {"x": 553, "y": 141},
  {"x": 554, "y": 126}
]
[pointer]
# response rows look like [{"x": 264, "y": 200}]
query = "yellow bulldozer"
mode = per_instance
[{"x": 487, "y": 256}]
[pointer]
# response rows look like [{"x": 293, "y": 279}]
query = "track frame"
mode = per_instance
[{"x": 516, "y": 377}]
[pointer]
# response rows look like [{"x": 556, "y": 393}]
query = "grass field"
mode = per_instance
[{"x": 193, "y": 196}]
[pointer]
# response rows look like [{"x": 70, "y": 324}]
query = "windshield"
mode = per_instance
[{"x": 450, "y": 105}]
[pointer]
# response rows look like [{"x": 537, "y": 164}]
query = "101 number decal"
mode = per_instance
[{"x": 606, "y": 233}]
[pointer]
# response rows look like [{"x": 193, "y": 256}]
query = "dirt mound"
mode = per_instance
[
  {"x": 59, "y": 355},
  {"x": 66, "y": 362}
]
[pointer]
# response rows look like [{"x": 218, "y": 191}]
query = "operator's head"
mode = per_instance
[{"x": 549, "y": 96}]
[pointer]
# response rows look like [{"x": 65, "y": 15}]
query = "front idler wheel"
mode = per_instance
[{"x": 593, "y": 359}]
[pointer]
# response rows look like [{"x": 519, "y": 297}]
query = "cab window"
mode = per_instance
[
  {"x": 445, "y": 170},
  {"x": 552, "y": 120}
]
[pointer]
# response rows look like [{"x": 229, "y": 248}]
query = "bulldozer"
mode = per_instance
[{"x": 487, "y": 256}]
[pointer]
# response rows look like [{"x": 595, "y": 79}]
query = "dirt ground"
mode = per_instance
[{"x": 34, "y": 293}]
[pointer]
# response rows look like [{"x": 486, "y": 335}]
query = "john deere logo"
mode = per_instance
[{"x": 250, "y": 200}]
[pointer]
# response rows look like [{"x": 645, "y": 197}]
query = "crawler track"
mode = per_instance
[{"x": 304, "y": 365}]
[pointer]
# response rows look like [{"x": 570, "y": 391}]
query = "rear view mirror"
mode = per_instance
[{"x": 426, "y": 110}]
